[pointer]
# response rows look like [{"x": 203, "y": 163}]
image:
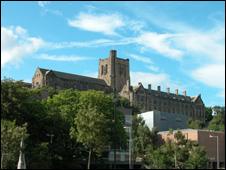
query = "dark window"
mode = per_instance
[
  {"x": 106, "y": 69},
  {"x": 102, "y": 70}
]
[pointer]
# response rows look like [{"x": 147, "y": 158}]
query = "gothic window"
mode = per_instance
[
  {"x": 102, "y": 69},
  {"x": 106, "y": 69}
]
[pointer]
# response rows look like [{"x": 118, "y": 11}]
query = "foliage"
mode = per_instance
[
  {"x": 195, "y": 124},
  {"x": 11, "y": 136},
  {"x": 197, "y": 158},
  {"x": 179, "y": 153},
  {"x": 208, "y": 114},
  {"x": 217, "y": 123},
  {"x": 143, "y": 138},
  {"x": 93, "y": 122}
]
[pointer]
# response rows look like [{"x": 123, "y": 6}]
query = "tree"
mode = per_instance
[
  {"x": 143, "y": 138},
  {"x": 93, "y": 123},
  {"x": 217, "y": 123},
  {"x": 197, "y": 158},
  {"x": 92, "y": 130},
  {"x": 208, "y": 113},
  {"x": 178, "y": 153},
  {"x": 11, "y": 136},
  {"x": 195, "y": 124}
]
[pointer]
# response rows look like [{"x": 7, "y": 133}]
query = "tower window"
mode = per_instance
[
  {"x": 106, "y": 69},
  {"x": 102, "y": 70}
]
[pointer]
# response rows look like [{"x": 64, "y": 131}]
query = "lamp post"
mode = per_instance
[{"x": 217, "y": 150}]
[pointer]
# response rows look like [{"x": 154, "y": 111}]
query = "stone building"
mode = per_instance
[{"x": 113, "y": 73}]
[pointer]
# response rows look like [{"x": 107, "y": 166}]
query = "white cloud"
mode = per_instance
[
  {"x": 160, "y": 43},
  {"x": 148, "y": 78},
  {"x": 153, "y": 68},
  {"x": 212, "y": 75},
  {"x": 155, "y": 79},
  {"x": 43, "y": 3},
  {"x": 16, "y": 44},
  {"x": 92, "y": 43},
  {"x": 103, "y": 23},
  {"x": 69, "y": 58},
  {"x": 143, "y": 59},
  {"x": 209, "y": 44}
]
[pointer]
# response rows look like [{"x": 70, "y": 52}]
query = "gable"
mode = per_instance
[{"x": 198, "y": 100}]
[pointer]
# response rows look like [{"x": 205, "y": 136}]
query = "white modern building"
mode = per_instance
[{"x": 164, "y": 121}]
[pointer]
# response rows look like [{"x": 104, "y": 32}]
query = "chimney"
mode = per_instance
[
  {"x": 176, "y": 91},
  {"x": 159, "y": 88},
  {"x": 113, "y": 53},
  {"x": 149, "y": 87},
  {"x": 168, "y": 90},
  {"x": 184, "y": 93}
]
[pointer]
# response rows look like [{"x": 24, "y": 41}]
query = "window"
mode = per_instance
[
  {"x": 102, "y": 70},
  {"x": 106, "y": 69}
]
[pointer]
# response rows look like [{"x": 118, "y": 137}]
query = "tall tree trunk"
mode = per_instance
[{"x": 90, "y": 151}]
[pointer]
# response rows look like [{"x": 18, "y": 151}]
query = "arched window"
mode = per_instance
[
  {"x": 106, "y": 69},
  {"x": 102, "y": 69}
]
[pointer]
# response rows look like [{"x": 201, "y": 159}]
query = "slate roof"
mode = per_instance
[
  {"x": 163, "y": 94},
  {"x": 69, "y": 76}
]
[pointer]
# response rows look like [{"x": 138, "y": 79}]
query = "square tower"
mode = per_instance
[{"x": 114, "y": 70}]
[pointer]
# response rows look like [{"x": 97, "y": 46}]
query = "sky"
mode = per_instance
[{"x": 180, "y": 45}]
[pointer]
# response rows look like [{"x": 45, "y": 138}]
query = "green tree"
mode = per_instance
[
  {"x": 11, "y": 136},
  {"x": 208, "y": 114},
  {"x": 178, "y": 153},
  {"x": 92, "y": 130},
  {"x": 143, "y": 137},
  {"x": 195, "y": 124},
  {"x": 93, "y": 123},
  {"x": 217, "y": 123},
  {"x": 197, "y": 158}
]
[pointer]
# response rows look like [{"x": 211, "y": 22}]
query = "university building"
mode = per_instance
[{"x": 115, "y": 72}]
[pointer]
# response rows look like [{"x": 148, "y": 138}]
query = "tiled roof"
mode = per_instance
[{"x": 69, "y": 76}]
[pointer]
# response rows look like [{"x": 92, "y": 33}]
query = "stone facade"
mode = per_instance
[{"x": 114, "y": 72}]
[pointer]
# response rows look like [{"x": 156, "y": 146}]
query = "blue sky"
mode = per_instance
[{"x": 172, "y": 44}]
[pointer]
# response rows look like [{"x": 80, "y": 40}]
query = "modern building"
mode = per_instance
[
  {"x": 115, "y": 72},
  {"x": 208, "y": 139},
  {"x": 163, "y": 121}
]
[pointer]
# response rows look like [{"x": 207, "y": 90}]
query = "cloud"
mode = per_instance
[
  {"x": 212, "y": 75},
  {"x": 92, "y": 43},
  {"x": 155, "y": 79},
  {"x": 143, "y": 59},
  {"x": 209, "y": 44},
  {"x": 102, "y": 23},
  {"x": 160, "y": 43},
  {"x": 16, "y": 44},
  {"x": 67, "y": 58},
  {"x": 153, "y": 68},
  {"x": 43, "y": 3}
]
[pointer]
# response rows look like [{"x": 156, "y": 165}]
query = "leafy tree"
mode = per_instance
[
  {"x": 197, "y": 158},
  {"x": 61, "y": 110},
  {"x": 143, "y": 138},
  {"x": 208, "y": 113},
  {"x": 178, "y": 153},
  {"x": 217, "y": 123},
  {"x": 93, "y": 123},
  {"x": 195, "y": 124},
  {"x": 92, "y": 130},
  {"x": 11, "y": 136}
]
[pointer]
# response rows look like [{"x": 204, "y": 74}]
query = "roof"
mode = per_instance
[
  {"x": 69, "y": 76},
  {"x": 166, "y": 94},
  {"x": 191, "y": 130}
]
